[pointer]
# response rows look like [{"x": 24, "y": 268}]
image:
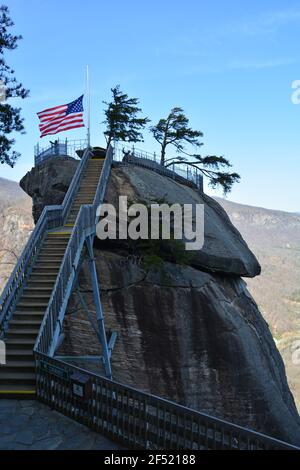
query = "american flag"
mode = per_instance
[{"x": 61, "y": 118}]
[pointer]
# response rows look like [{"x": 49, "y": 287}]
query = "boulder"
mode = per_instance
[
  {"x": 224, "y": 248},
  {"x": 194, "y": 337},
  {"x": 48, "y": 182}
]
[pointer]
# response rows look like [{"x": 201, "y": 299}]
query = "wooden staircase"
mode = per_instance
[{"x": 17, "y": 376}]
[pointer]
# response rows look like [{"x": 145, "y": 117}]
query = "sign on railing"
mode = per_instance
[{"x": 136, "y": 419}]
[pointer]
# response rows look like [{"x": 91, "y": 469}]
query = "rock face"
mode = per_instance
[
  {"x": 190, "y": 336},
  {"x": 48, "y": 183},
  {"x": 224, "y": 249},
  {"x": 189, "y": 333},
  {"x": 16, "y": 225}
]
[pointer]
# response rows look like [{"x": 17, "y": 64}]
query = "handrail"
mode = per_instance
[
  {"x": 84, "y": 226},
  {"x": 138, "y": 419},
  {"x": 100, "y": 191},
  {"x": 181, "y": 172},
  {"x": 61, "y": 147},
  {"x": 75, "y": 183},
  {"x": 51, "y": 217}
]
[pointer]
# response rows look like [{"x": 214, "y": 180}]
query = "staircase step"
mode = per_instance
[
  {"x": 35, "y": 291},
  {"x": 55, "y": 241},
  {"x": 39, "y": 284},
  {"x": 18, "y": 391},
  {"x": 19, "y": 354},
  {"x": 28, "y": 315},
  {"x": 49, "y": 246},
  {"x": 61, "y": 235},
  {"x": 87, "y": 181},
  {"x": 52, "y": 270},
  {"x": 52, "y": 265},
  {"x": 36, "y": 272},
  {"x": 36, "y": 297},
  {"x": 37, "y": 281},
  {"x": 24, "y": 333},
  {"x": 15, "y": 378},
  {"x": 86, "y": 199},
  {"x": 87, "y": 186},
  {"x": 21, "y": 343},
  {"x": 54, "y": 251},
  {"x": 35, "y": 305},
  {"x": 25, "y": 323},
  {"x": 18, "y": 366}
]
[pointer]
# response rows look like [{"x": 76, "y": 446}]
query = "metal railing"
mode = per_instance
[
  {"x": 137, "y": 419},
  {"x": 51, "y": 217},
  {"x": 181, "y": 172},
  {"x": 134, "y": 418},
  {"x": 59, "y": 148},
  {"x": 84, "y": 226}
]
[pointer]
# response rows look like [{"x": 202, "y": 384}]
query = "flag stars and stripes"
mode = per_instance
[{"x": 61, "y": 118}]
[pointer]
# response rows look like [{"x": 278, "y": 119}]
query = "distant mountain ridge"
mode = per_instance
[
  {"x": 274, "y": 237},
  {"x": 16, "y": 223}
]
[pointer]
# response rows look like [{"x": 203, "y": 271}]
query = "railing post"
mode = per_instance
[{"x": 98, "y": 307}]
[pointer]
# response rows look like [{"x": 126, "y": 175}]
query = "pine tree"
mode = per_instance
[
  {"x": 10, "y": 117},
  {"x": 121, "y": 120},
  {"x": 175, "y": 131}
]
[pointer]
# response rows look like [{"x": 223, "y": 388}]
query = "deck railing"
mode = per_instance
[
  {"x": 85, "y": 225},
  {"x": 59, "y": 148},
  {"x": 137, "y": 419},
  {"x": 51, "y": 217},
  {"x": 181, "y": 172}
]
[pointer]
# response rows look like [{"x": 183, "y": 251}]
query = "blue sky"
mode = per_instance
[{"x": 230, "y": 65}]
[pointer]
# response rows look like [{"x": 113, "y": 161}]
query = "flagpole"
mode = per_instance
[{"x": 88, "y": 106}]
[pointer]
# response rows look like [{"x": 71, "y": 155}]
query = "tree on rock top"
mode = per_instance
[
  {"x": 10, "y": 117},
  {"x": 122, "y": 121},
  {"x": 175, "y": 131}
]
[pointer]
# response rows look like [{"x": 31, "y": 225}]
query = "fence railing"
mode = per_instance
[
  {"x": 51, "y": 217},
  {"x": 59, "y": 148},
  {"x": 136, "y": 419},
  {"x": 179, "y": 171},
  {"x": 84, "y": 226}
]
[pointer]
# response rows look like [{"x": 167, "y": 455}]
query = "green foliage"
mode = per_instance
[
  {"x": 175, "y": 130},
  {"x": 152, "y": 261},
  {"x": 121, "y": 120},
  {"x": 10, "y": 117},
  {"x": 172, "y": 251}
]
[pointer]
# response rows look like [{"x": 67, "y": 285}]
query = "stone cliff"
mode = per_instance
[{"x": 188, "y": 330}]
